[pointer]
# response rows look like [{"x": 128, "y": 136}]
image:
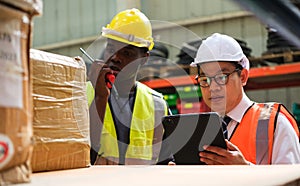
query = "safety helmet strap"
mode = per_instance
[{"x": 128, "y": 37}]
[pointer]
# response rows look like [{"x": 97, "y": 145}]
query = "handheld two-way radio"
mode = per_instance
[{"x": 109, "y": 77}]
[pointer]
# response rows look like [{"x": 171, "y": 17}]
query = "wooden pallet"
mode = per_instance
[{"x": 285, "y": 57}]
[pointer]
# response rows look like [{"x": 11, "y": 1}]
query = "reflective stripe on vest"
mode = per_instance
[
  {"x": 145, "y": 129},
  {"x": 265, "y": 128},
  {"x": 254, "y": 136}
]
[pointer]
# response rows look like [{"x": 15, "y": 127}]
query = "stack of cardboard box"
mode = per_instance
[{"x": 15, "y": 89}]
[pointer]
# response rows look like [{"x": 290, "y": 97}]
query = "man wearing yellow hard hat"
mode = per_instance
[{"x": 130, "y": 113}]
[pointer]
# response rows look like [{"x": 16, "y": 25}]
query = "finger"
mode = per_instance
[
  {"x": 217, "y": 150},
  {"x": 100, "y": 84},
  {"x": 207, "y": 161},
  {"x": 210, "y": 159},
  {"x": 101, "y": 75},
  {"x": 98, "y": 71},
  {"x": 171, "y": 163}
]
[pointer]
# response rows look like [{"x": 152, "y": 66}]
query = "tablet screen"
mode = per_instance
[{"x": 187, "y": 133}]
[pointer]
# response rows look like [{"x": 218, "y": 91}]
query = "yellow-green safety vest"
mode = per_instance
[
  {"x": 90, "y": 92},
  {"x": 145, "y": 137}
]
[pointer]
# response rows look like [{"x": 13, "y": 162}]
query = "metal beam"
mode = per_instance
[{"x": 281, "y": 15}]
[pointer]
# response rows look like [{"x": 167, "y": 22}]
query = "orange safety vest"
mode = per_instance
[{"x": 254, "y": 136}]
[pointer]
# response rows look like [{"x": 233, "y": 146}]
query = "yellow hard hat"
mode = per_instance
[{"x": 132, "y": 27}]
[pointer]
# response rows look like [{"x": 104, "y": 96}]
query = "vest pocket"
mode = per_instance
[{"x": 140, "y": 148}]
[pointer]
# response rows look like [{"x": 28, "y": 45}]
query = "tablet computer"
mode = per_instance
[{"x": 187, "y": 133}]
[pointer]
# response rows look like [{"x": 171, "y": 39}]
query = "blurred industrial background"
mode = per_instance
[{"x": 67, "y": 25}]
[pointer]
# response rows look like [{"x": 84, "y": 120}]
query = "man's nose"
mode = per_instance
[
  {"x": 214, "y": 85},
  {"x": 115, "y": 58}
]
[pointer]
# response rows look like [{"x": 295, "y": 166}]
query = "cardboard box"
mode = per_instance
[
  {"x": 15, "y": 96},
  {"x": 60, "y": 119}
]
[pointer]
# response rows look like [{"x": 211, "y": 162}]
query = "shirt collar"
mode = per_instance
[{"x": 238, "y": 112}]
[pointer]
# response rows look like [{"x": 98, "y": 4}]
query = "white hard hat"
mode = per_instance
[{"x": 219, "y": 47}]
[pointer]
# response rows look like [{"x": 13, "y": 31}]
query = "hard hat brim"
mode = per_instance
[
  {"x": 244, "y": 62},
  {"x": 128, "y": 42}
]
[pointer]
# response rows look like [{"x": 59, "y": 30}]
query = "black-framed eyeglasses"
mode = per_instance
[{"x": 220, "y": 79}]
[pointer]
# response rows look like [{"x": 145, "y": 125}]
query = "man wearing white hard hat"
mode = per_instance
[{"x": 257, "y": 133}]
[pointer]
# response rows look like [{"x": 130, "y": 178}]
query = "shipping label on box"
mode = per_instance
[{"x": 11, "y": 71}]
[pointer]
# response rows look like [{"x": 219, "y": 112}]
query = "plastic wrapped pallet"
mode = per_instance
[
  {"x": 60, "y": 112},
  {"x": 15, "y": 91}
]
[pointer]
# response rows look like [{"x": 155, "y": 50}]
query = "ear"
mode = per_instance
[
  {"x": 244, "y": 76},
  {"x": 145, "y": 58}
]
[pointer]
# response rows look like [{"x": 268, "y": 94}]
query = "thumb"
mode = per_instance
[{"x": 231, "y": 146}]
